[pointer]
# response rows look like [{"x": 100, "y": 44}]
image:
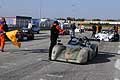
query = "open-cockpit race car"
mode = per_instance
[
  {"x": 107, "y": 35},
  {"x": 78, "y": 50}
]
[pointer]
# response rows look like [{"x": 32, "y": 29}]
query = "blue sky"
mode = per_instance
[{"x": 89, "y": 9}]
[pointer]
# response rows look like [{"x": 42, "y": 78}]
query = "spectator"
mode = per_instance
[
  {"x": 93, "y": 30},
  {"x": 73, "y": 27},
  {"x": 82, "y": 28},
  {"x": 99, "y": 28}
]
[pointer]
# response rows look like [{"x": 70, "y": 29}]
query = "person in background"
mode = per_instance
[
  {"x": 99, "y": 28},
  {"x": 115, "y": 28},
  {"x": 73, "y": 27},
  {"x": 3, "y": 29},
  {"x": 55, "y": 30},
  {"x": 82, "y": 28},
  {"x": 93, "y": 30},
  {"x": 29, "y": 25},
  {"x": 79, "y": 28},
  {"x": 4, "y": 24}
]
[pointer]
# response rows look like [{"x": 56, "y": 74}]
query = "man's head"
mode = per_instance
[
  {"x": 55, "y": 23},
  {"x": 2, "y": 20}
]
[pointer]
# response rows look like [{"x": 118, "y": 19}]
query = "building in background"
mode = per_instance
[
  {"x": 18, "y": 21},
  {"x": 22, "y": 21}
]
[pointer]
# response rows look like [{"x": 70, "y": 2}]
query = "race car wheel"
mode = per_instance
[
  {"x": 117, "y": 37},
  {"x": 83, "y": 56},
  {"x": 56, "y": 51},
  {"x": 95, "y": 49}
]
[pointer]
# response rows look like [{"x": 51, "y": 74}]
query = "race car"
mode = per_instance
[
  {"x": 78, "y": 50},
  {"x": 107, "y": 35}
]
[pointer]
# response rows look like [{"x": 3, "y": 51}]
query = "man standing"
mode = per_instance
[
  {"x": 3, "y": 29},
  {"x": 73, "y": 27},
  {"x": 55, "y": 30},
  {"x": 82, "y": 28},
  {"x": 99, "y": 28},
  {"x": 93, "y": 30},
  {"x": 29, "y": 25}
]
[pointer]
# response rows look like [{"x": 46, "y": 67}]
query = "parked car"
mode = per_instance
[
  {"x": 25, "y": 34},
  {"x": 35, "y": 29},
  {"x": 107, "y": 35}
]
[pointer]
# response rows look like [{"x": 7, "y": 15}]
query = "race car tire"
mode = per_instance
[
  {"x": 57, "y": 49},
  {"x": 95, "y": 49},
  {"x": 83, "y": 55},
  {"x": 117, "y": 37}
]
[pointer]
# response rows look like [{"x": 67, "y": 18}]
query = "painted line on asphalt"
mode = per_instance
[
  {"x": 51, "y": 75},
  {"x": 117, "y": 64},
  {"x": 26, "y": 48},
  {"x": 119, "y": 46},
  {"x": 42, "y": 79},
  {"x": 5, "y": 67},
  {"x": 118, "y": 52},
  {"x": 116, "y": 79},
  {"x": 10, "y": 64},
  {"x": 39, "y": 59},
  {"x": 117, "y": 71}
]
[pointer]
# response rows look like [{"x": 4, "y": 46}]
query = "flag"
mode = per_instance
[{"x": 12, "y": 36}]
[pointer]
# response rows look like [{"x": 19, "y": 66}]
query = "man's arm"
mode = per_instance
[{"x": 59, "y": 29}]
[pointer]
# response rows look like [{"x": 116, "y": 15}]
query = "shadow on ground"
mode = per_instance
[
  {"x": 102, "y": 57},
  {"x": 37, "y": 50},
  {"x": 27, "y": 51}
]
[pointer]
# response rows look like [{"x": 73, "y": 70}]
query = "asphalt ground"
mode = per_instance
[{"x": 30, "y": 62}]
